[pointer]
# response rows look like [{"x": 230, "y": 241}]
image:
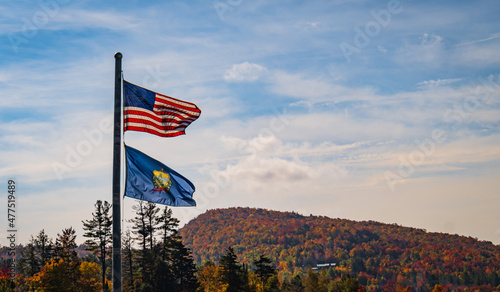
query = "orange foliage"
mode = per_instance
[{"x": 387, "y": 253}]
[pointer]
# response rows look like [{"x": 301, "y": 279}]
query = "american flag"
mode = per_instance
[{"x": 148, "y": 111}]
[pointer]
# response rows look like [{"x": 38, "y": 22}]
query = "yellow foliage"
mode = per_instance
[
  {"x": 67, "y": 276},
  {"x": 90, "y": 278},
  {"x": 438, "y": 288},
  {"x": 210, "y": 279}
]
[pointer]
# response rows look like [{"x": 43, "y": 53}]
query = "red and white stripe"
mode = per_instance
[{"x": 169, "y": 117}]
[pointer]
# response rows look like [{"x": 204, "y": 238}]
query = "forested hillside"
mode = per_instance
[{"x": 377, "y": 254}]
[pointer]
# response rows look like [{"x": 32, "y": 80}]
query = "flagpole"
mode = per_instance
[{"x": 117, "y": 257}]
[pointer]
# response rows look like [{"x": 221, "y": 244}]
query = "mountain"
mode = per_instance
[{"x": 375, "y": 253}]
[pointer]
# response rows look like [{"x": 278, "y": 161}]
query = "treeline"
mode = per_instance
[
  {"x": 232, "y": 276},
  {"x": 153, "y": 259},
  {"x": 153, "y": 256},
  {"x": 252, "y": 250},
  {"x": 378, "y": 255},
  {"x": 48, "y": 265}
]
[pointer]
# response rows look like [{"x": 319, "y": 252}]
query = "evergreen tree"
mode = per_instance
[
  {"x": 245, "y": 278},
  {"x": 151, "y": 219},
  {"x": 162, "y": 275},
  {"x": 66, "y": 257},
  {"x": 34, "y": 256},
  {"x": 168, "y": 229},
  {"x": 128, "y": 261},
  {"x": 163, "y": 270},
  {"x": 264, "y": 268},
  {"x": 174, "y": 265},
  {"x": 265, "y": 272},
  {"x": 231, "y": 271},
  {"x": 65, "y": 245},
  {"x": 29, "y": 264},
  {"x": 182, "y": 266},
  {"x": 43, "y": 247},
  {"x": 99, "y": 232},
  {"x": 140, "y": 229}
]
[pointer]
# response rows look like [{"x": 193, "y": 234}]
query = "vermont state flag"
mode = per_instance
[{"x": 152, "y": 181}]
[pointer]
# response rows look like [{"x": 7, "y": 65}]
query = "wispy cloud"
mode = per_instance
[
  {"x": 491, "y": 37},
  {"x": 315, "y": 88},
  {"x": 426, "y": 49},
  {"x": 283, "y": 116},
  {"x": 244, "y": 72},
  {"x": 438, "y": 82}
]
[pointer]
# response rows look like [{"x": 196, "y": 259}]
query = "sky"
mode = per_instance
[{"x": 364, "y": 110}]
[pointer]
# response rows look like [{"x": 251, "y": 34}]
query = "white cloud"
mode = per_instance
[
  {"x": 491, "y": 37},
  {"x": 438, "y": 82},
  {"x": 244, "y": 72},
  {"x": 315, "y": 89},
  {"x": 382, "y": 49},
  {"x": 269, "y": 169},
  {"x": 478, "y": 56},
  {"x": 427, "y": 50},
  {"x": 342, "y": 133},
  {"x": 64, "y": 17}
]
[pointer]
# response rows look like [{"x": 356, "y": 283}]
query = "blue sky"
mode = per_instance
[{"x": 366, "y": 110}]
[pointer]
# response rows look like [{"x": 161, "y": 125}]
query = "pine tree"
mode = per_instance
[
  {"x": 65, "y": 254},
  {"x": 44, "y": 247},
  {"x": 29, "y": 264},
  {"x": 174, "y": 266},
  {"x": 164, "y": 276},
  {"x": 140, "y": 230},
  {"x": 99, "y": 232},
  {"x": 139, "y": 227},
  {"x": 66, "y": 245},
  {"x": 128, "y": 263},
  {"x": 144, "y": 227},
  {"x": 165, "y": 265},
  {"x": 265, "y": 270},
  {"x": 151, "y": 214},
  {"x": 231, "y": 271},
  {"x": 182, "y": 266},
  {"x": 167, "y": 225}
]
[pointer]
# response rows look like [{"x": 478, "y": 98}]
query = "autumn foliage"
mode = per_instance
[
  {"x": 383, "y": 257},
  {"x": 67, "y": 276},
  {"x": 256, "y": 250}
]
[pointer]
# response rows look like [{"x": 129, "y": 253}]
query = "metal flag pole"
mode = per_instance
[{"x": 117, "y": 144}]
